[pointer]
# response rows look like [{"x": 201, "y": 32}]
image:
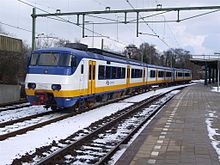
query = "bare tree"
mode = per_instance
[
  {"x": 131, "y": 51},
  {"x": 61, "y": 42},
  {"x": 149, "y": 53},
  {"x": 44, "y": 42}
]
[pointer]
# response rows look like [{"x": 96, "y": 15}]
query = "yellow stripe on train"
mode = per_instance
[{"x": 81, "y": 92}]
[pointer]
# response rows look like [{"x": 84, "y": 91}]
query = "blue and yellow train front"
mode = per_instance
[{"x": 49, "y": 76}]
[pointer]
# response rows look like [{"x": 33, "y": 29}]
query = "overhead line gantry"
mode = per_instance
[{"x": 125, "y": 12}]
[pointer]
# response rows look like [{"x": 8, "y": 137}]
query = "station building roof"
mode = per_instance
[{"x": 211, "y": 60}]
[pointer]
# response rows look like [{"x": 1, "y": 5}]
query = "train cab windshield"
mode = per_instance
[{"x": 52, "y": 59}]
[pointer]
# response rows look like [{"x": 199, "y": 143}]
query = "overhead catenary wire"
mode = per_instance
[
  {"x": 117, "y": 21},
  {"x": 155, "y": 34},
  {"x": 149, "y": 26},
  {"x": 174, "y": 36},
  {"x": 68, "y": 21},
  {"x": 112, "y": 20},
  {"x": 199, "y": 15},
  {"x": 15, "y": 27}
]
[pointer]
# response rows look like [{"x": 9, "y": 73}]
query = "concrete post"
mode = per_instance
[
  {"x": 206, "y": 76},
  {"x": 213, "y": 75},
  {"x": 218, "y": 75},
  {"x": 209, "y": 75}
]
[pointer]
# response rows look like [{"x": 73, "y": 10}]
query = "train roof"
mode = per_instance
[
  {"x": 103, "y": 55},
  {"x": 91, "y": 54},
  {"x": 185, "y": 70}
]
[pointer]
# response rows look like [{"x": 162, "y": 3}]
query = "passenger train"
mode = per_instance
[{"x": 66, "y": 77}]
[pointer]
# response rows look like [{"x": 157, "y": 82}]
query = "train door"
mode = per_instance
[
  {"x": 144, "y": 75},
  {"x": 82, "y": 79},
  {"x": 91, "y": 85},
  {"x": 128, "y": 75},
  {"x": 147, "y": 75}
]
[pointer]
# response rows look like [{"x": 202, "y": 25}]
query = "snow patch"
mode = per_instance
[
  {"x": 215, "y": 89},
  {"x": 21, "y": 112},
  {"x": 197, "y": 81},
  {"x": 212, "y": 131}
]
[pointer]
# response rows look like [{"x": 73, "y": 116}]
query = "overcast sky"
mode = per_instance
[{"x": 198, "y": 35}]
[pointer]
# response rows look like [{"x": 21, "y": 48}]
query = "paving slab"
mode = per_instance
[{"x": 186, "y": 131}]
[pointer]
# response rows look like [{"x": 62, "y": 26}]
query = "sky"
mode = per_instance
[{"x": 199, "y": 35}]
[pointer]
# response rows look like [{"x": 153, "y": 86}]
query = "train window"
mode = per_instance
[
  {"x": 152, "y": 73},
  {"x": 161, "y": 74},
  {"x": 53, "y": 59},
  {"x": 123, "y": 73},
  {"x": 65, "y": 60},
  {"x": 108, "y": 72},
  {"x": 132, "y": 73},
  {"x": 180, "y": 74},
  {"x": 34, "y": 58},
  {"x": 137, "y": 73},
  {"x": 90, "y": 75},
  {"x": 101, "y": 74},
  {"x": 48, "y": 59},
  {"x": 93, "y": 72},
  {"x": 140, "y": 75},
  {"x": 119, "y": 72},
  {"x": 82, "y": 69},
  {"x": 168, "y": 74},
  {"x": 74, "y": 61},
  {"x": 187, "y": 75},
  {"x": 114, "y": 73}
]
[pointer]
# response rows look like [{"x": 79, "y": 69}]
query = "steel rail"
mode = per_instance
[
  {"x": 38, "y": 125},
  {"x": 10, "y": 122},
  {"x": 13, "y": 106}
]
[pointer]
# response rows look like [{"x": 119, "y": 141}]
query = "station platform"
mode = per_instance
[{"x": 186, "y": 131}]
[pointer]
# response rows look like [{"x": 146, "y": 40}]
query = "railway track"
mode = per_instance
[
  {"x": 10, "y": 122},
  {"x": 7, "y": 107},
  {"x": 100, "y": 144},
  {"x": 29, "y": 123},
  {"x": 15, "y": 127},
  {"x": 94, "y": 144}
]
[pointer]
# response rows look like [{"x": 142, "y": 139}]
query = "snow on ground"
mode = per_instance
[
  {"x": 28, "y": 123},
  {"x": 197, "y": 81},
  {"x": 17, "y": 146},
  {"x": 13, "y": 147},
  {"x": 215, "y": 89},
  {"x": 146, "y": 95},
  {"x": 211, "y": 117},
  {"x": 21, "y": 112}
]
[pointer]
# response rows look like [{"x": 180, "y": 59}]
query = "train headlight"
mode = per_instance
[
  {"x": 56, "y": 87},
  {"x": 31, "y": 85}
]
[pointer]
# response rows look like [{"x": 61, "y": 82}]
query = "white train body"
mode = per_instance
[{"x": 68, "y": 75}]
